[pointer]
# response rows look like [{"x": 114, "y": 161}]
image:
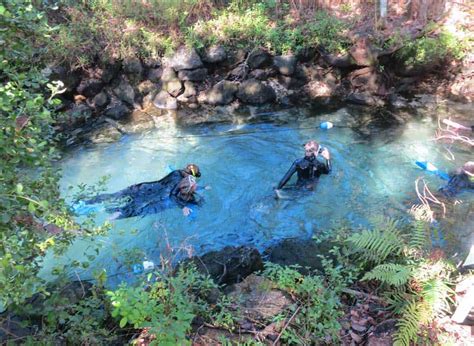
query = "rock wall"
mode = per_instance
[{"x": 216, "y": 77}]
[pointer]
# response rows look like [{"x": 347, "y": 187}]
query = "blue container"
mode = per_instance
[{"x": 326, "y": 125}]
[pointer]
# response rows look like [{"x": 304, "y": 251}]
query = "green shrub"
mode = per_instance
[
  {"x": 433, "y": 49},
  {"x": 167, "y": 307},
  {"x": 29, "y": 193},
  {"x": 327, "y": 31},
  {"x": 317, "y": 310},
  {"x": 232, "y": 27}
]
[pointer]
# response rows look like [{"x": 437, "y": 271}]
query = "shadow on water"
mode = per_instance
[{"x": 243, "y": 155}]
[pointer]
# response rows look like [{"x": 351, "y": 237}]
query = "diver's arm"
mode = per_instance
[
  {"x": 326, "y": 166},
  {"x": 288, "y": 175}
]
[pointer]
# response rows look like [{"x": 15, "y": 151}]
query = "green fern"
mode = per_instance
[
  {"x": 390, "y": 273},
  {"x": 376, "y": 245},
  {"x": 419, "y": 235},
  {"x": 437, "y": 294},
  {"x": 408, "y": 324}
]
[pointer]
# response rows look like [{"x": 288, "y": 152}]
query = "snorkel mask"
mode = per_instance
[{"x": 193, "y": 170}]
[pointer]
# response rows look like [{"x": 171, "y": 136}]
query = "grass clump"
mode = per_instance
[{"x": 427, "y": 49}]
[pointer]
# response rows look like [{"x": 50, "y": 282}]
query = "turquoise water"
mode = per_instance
[{"x": 241, "y": 160}]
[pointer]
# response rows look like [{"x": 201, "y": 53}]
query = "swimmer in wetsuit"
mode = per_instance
[
  {"x": 183, "y": 195},
  {"x": 463, "y": 179},
  {"x": 309, "y": 168},
  {"x": 148, "y": 195}
]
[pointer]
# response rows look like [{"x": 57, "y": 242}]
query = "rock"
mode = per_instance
[
  {"x": 79, "y": 114},
  {"x": 222, "y": 93},
  {"x": 71, "y": 79},
  {"x": 116, "y": 109},
  {"x": 382, "y": 335},
  {"x": 90, "y": 87},
  {"x": 255, "y": 92},
  {"x": 185, "y": 59},
  {"x": 133, "y": 68},
  {"x": 362, "y": 53},
  {"x": 100, "y": 100},
  {"x": 105, "y": 133},
  {"x": 258, "y": 58},
  {"x": 294, "y": 251},
  {"x": 168, "y": 74},
  {"x": 397, "y": 102},
  {"x": 139, "y": 122},
  {"x": 367, "y": 79},
  {"x": 259, "y": 302},
  {"x": 199, "y": 74},
  {"x": 339, "y": 61},
  {"x": 320, "y": 89},
  {"x": 155, "y": 74},
  {"x": 174, "y": 87},
  {"x": 281, "y": 91},
  {"x": 214, "y": 54},
  {"x": 189, "y": 94},
  {"x": 110, "y": 70},
  {"x": 151, "y": 63},
  {"x": 229, "y": 265},
  {"x": 163, "y": 100},
  {"x": 125, "y": 92},
  {"x": 364, "y": 99},
  {"x": 147, "y": 100},
  {"x": 260, "y": 74},
  {"x": 462, "y": 88},
  {"x": 307, "y": 54},
  {"x": 146, "y": 87},
  {"x": 285, "y": 64}
]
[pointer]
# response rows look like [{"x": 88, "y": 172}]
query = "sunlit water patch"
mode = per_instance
[{"x": 373, "y": 174}]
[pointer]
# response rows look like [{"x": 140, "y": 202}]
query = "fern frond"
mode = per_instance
[
  {"x": 408, "y": 325},
  {"x": 397, "y": 299},
  {"x": 376, "y": 245},
  {"x": 390, "y": 273},
  {"x": 419, "y": 235},
  {"x": 437, "y": 294}
]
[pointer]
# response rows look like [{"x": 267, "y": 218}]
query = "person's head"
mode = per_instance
[
  {"x": 187, "y": 186},
  {"x": 311, "y": 149},
  {"x": 193, "y": 170}
]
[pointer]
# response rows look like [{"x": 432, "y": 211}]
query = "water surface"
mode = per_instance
[{"x": 241, "y": 160}]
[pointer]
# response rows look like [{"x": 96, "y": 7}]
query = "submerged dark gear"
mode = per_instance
[
  {"x": 309, "y": 169},
  {"x": 457, "y": 183},
  {"x": 150, "y": 197}
]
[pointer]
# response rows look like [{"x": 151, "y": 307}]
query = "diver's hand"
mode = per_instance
[
  {"x": 325, "y": 153},
  {"x": 187, "y": 211}
]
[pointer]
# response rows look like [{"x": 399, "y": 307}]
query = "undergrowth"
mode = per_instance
[{"x": 416, "y": 286}]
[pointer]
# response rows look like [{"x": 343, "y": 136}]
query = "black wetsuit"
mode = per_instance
[
  {"x": 309, "y": 169},
  {"x": 457, "y": 183},
  {"x": 148, "y": 197}
]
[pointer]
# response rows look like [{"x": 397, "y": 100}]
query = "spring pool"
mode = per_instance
[{"x": 241, "y": 159}]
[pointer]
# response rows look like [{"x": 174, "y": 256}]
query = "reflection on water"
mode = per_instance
[{"x": 373, "y": 174}]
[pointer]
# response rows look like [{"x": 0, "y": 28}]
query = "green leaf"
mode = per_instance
[
  {"x": 19, "y": 188},
  {"x": 123, "y": 322},
  {"x": 31, "y": 207}
]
